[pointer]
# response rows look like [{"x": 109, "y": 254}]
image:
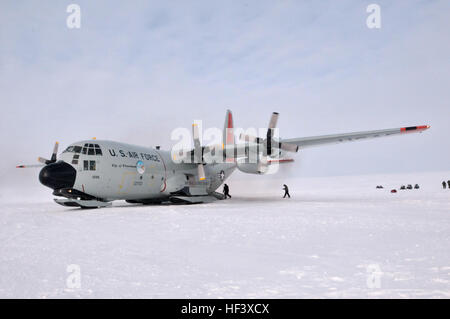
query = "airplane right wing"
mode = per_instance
[{"x": 304, "y": 142}]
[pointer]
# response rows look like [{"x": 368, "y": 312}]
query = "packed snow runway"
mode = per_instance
[{"x": 335, "y": 238}]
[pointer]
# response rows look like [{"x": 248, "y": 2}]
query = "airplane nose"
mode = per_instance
[{"x": 58, "y": 175}]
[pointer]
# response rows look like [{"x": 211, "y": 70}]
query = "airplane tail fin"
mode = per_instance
[{"x": 228, "y": 131}]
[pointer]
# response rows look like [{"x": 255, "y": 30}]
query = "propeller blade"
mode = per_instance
[
  {"x": 30, "y": 166},
  {"x": 55, "y": 152},
  {"x": 198, "y": 156},
  {"x": 249, "y": 138},
  {"x": 43, "y": 160},
  {"x": 273, "y": 120},
  {"x": 201, "y": 172},
  {"x": 270, "y": 131},
  {"x": 288, "y": 147}
]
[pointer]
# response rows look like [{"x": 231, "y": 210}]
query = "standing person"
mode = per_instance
[
  {"x": 448, "y": 184},
  {"x": 444, "y": 185},
  {"x": 286, "y": 191},
  {"x": 226, "y": 191}
]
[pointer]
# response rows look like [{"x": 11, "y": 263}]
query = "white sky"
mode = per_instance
[{"x": 138, "y": 69}]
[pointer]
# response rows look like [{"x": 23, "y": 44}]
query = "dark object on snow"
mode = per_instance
[
  {"x": 226, "y": 191},
  {"x": 286, "y": 191},
  {"x": 403, "y": 187},
  {"x": 416, "y": 186},
  {"x": 448, "y": 184},
  {"x": 379, "y": 186},
  {"x": 393, "y": 191},
  {"x": 444, "y": 185},
  {"x": 409, "y": 186}
]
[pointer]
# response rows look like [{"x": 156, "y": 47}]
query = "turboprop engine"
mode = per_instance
[
  {"x": 260, "y": 167},
  {"x": 267, "y": 150}
]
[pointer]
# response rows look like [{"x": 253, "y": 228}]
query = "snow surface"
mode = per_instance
[{"x": 324, "y": 242}]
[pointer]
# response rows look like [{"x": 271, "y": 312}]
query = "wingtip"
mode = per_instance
[{"x": 414, "y": 128}]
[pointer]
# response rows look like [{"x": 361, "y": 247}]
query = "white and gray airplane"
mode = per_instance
[{"x": 93, "y": 173}]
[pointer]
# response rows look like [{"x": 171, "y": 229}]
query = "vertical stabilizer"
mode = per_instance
[{"x": 228, "y": 132}]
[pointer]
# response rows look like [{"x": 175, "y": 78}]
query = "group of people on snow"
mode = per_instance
[{"x": 445, "y": 185}]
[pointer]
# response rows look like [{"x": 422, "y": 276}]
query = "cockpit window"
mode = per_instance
[
  {"x": 98, "y": 150},
  {"x": 92, "y": 149},
  {"x": 73, "y": 149}
]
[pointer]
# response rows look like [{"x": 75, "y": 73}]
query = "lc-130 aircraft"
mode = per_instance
[{"x": 93, "y": 173}]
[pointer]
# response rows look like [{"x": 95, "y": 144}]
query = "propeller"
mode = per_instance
[
  {"x": 269, "y": 143},
  {"x": 198, "y": 153},
  {"x": 43, "y": 160},
  {"x": 52, "y": 158}
]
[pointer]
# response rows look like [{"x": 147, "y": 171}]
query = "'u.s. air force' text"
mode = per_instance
[{"x": 129, "y": 154}]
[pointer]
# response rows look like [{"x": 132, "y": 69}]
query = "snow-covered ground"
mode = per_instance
[{"x": 336, "y": 237}]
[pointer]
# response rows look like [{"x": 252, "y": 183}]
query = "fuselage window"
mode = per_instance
[
  {"x": 89, "y": 165},
  {"x": 77, "y": 149},
  {"x": 84, "y": 151},
  {"x": 91, "y": 151},
  {"x": 75, "y": 159}
]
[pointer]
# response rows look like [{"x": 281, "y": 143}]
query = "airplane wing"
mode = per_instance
[{"x": 304, "y": 142}]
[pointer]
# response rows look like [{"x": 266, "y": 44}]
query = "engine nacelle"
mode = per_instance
[{"x": 260, "y": 167}]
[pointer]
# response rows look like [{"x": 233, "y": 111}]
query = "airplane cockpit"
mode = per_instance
[{"x": 86, "y": 149}]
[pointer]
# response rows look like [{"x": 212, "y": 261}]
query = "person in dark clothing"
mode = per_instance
[
  {"x": 286, "y": 191},
  {"x": 444, "y": 185},
  {"x": 448, "y": 184},
  {"x": 226, "y": 191}
]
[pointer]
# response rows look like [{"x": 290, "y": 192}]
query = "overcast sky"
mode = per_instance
[{"x": 136, "y": 70}]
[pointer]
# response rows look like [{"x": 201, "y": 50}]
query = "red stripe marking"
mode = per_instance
[
  {"x": 230, "y": 131},
  {"x": 230, "y": 135},
  {"x": 414, "y": 128},
  {"x": 281, "y": 160}
]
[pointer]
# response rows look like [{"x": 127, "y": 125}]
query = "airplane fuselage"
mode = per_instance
[{"x": 110, "y": 170}]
